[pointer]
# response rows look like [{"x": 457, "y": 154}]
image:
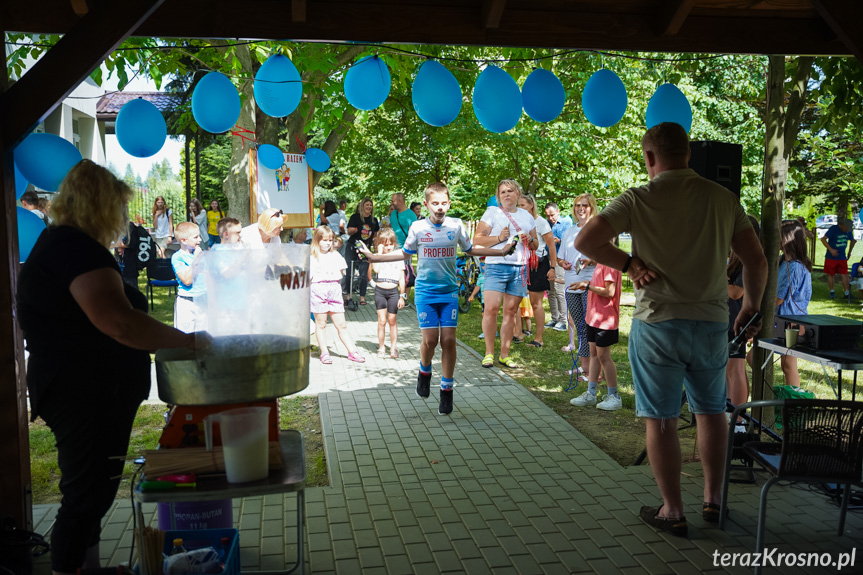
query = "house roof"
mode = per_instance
[
  {"x": 111, "y": 103},
  {"x": 814, "y": 27}
]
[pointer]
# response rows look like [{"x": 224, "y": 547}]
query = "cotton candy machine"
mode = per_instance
[{"x": 257, "y": 303}]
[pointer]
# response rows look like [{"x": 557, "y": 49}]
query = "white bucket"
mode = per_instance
[{"x": 245, "y": 443}]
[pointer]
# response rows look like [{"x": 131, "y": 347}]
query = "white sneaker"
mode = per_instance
[
  {"x": 611, "y": 402},
  {"x": 550, "y": 323},
  {"x": 559, "y": 326},
  {"x": 586, "y": 399}
]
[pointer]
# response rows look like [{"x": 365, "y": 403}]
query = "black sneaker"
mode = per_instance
[
  {"x": 351, "y": 305},
  {"x": 675, "y": 526},
  {"x": 423, "y": 383},
  {"x": 445, "y": 407}
]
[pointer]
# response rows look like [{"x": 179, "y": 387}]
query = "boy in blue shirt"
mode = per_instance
[
  {"x": 434, "y": 241},
  {"x": 189, "y": 314}
]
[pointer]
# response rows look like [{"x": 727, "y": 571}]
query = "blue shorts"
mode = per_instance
[
  {"x": 670, "y": 355},
  {"x": 506, "y": 279},
  {"x": 437, "y": 310}
]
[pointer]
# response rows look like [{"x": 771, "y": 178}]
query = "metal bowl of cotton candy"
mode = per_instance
[{"x": 233, "y": 369}]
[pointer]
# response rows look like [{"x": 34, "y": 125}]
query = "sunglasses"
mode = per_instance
[{"x": 279, "y": 213}]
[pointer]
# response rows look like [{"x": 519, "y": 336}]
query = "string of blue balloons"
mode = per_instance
[{"x": 498, "y": 104}]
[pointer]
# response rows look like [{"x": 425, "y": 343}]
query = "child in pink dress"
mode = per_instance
[{"x": 326, "y": 267}]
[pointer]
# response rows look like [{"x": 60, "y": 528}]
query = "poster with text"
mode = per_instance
[{"x": 288, "y": 188}]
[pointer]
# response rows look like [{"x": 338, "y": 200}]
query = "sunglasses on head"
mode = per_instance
[{"x": 279, "y": 213}]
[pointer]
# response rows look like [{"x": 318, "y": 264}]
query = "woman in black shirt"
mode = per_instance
[
  {"x": 89, "y": 337},
  {"x": 362, "y": 226}
]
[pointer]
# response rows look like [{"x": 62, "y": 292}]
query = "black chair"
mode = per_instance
[
  {"x": 161, "y": 274},
  {"x": 822, "y": 442}
]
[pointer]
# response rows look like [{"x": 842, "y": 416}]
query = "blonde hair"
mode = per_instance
[
  {"x": 320, "y": 232},
  {"x": 590, "y": 200},
  {"x": 532, "y": 201},
  {"x": 184, "y": 230},
  {"x": 436, "y": 188},
  {"x": 359, "y": 209},
  {"x": 384, "y": 235},
  {"x": 270, "y": 220},
  {"x": 510, "y": 184},
  {"x": 93, "y": 200}
]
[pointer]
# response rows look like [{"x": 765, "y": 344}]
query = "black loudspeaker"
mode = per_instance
[{"x": 719, "y": 162}]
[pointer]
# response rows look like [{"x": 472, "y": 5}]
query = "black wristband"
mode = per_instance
[{"x": 626, "y": 265}]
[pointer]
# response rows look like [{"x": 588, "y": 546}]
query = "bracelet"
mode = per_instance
[{"x": 626, "y": 265}]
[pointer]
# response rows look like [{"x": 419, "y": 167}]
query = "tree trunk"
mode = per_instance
[
  {"x": 781, "y": 134},
  {"x": 236, "y": 185}
]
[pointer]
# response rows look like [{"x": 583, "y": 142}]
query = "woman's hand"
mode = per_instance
[
  {"x": 401, "y": 303},
  {"x": 564, "y": 264},
  {"x": 578, "y": 286},
  {"x": 503, "y": 234}
]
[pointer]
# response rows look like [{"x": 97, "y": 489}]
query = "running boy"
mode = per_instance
[
  {"x": 434, "y": 240},
  {"x": 189, "y": 314},
  {"x": 602, "y": 318}
]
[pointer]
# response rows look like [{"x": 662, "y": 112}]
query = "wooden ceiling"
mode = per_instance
[{"x": 815, "y": 27}]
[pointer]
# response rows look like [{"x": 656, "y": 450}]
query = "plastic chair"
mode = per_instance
[
  {"x": 161, "y": 274},
  {"x": 822, "y": 442}
]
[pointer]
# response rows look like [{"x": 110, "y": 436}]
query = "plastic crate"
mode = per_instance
[{"x": 209, "y": 538}]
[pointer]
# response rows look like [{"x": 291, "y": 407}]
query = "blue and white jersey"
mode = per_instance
[{"x": 435, "y": 246}]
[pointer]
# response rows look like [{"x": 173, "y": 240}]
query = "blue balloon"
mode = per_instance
[
  {"x": 367, "y": 83},
  {"x": 45, "y": 159},
  {"x": 216, "y": 103},
  {"x": 278, "y": 87},
  {"x": 496, "y": 100},
  {"x": 436, "y": 94},
  {"x": 20, "y": 182},
  {"x": 492, "y": 201},
  {"x": 271, "y": 156},
  {"x": 141, "y": 129},
  {"x": 318, "y": 159},
  {"x": 669, "y": 104},
  {"x": 30, "y": 226},
  {"x": 543, "y": 95},
  {"x": 604, "y": 99}
]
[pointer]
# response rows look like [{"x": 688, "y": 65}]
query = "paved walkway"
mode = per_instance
[{"x": 503, "y": 485}]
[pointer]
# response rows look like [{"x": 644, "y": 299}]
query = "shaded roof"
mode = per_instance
[
  {"x": 814, "y": 27},
  {"x": 110, "y": 104}
]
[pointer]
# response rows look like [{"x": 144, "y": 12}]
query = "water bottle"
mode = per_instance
[{"x": 177, "y": 548}]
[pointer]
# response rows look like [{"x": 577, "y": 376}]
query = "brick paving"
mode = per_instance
[{"x": 503, "y": 485}]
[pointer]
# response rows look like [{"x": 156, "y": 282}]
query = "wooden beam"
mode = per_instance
[
  {"x": 298, "y": 11},
  {"x": 15, "y": 490},
  {"x": 846, "y": 20},
  {"x": 79, "y": 7},
  {"x": 673, "y": 16},
  {"x": 66, "y": 65},
  {"x": 492, "y": 11},
  {"x": 574, "y": 24}
]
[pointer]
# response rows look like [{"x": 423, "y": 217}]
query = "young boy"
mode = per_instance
[
  {"x": 189, "y": 314},
  {"x": 229, "y": 230},
  {"x": 434, "y": 240},
  {"x": 602, "y": 318}
]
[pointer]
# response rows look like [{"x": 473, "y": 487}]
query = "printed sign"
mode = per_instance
[{"x": 288, "y": 188}]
